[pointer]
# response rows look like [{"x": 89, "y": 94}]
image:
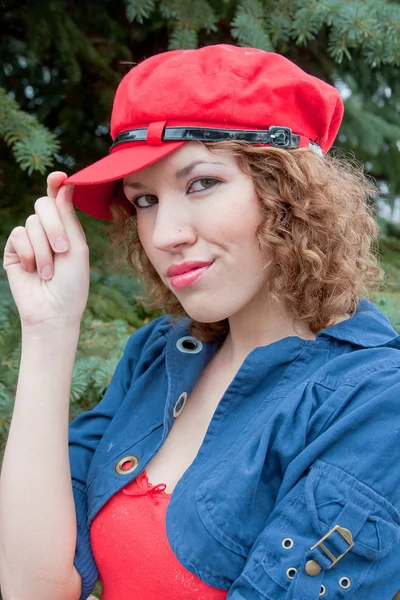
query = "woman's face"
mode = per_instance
[{"x": 197, "y": 206}]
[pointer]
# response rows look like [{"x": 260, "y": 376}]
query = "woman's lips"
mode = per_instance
[
  {"x": 188, "y": 278},
  {"x": 185, "y": 267}
]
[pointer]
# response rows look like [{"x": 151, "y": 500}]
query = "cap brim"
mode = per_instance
[{"x": 95, "y": 185}]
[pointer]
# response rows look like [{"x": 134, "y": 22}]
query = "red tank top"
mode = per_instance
[{"x": 132, "y": 552}]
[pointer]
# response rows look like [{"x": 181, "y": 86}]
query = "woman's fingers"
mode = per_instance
[
  {"x": 32, "y": 255},
  {"x": 41, "y": 249},
  {"x": 54, "y": 182},
  {"x": 62, "y": 196},
  {"x": 18, "y": 250},
  {"x": 46, "y": 209},
  {"x": 68, "y": 215},
  {"x": 46, "y": 232},
  {"x": 54, "y": 228},
  {"x": 29, "y": 246}
]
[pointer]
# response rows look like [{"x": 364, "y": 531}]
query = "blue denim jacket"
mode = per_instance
[{"x": 305, "y": 443}]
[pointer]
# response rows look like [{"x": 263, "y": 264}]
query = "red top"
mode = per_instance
[{"x": 132, "y": 552}]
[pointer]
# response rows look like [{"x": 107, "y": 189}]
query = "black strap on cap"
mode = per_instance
[{"x": 276, "y": 136}]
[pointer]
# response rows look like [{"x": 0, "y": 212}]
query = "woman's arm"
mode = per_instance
[
  {"x": 335, "y": 531},
  {"x": 37, "y": 512},
  {"x": 47, "y": 265}
]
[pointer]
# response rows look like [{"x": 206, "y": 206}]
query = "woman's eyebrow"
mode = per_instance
[
  {"x": 135, "y": 185},
  {"x": 179, "y": 174},
  {"x": 186, "y": 170}
]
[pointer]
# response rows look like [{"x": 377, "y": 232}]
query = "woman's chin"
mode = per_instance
[{"x": 202, "y": 314}]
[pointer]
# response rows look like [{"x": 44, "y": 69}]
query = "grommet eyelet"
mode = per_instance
[
  {"x": 122, "y": 467},
  {"x": 287, "y": 543},
  {"x": 180, "y": 403},
  {"x": 344, "y": 583},
  {"x": 323, "y": 590},
  {"x": 189, "y": 345},
  {"x": 291, "y": 572}
]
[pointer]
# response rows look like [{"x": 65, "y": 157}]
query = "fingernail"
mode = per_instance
[
  {"x": 46, "y": 272},
  {"x": 69, "y": 189},
  {"x": 61, "y": 244}
]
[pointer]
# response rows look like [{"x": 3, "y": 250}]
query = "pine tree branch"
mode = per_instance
[{"x": 32, "y": 144}]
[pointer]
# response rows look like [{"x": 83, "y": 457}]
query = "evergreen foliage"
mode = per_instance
[
  {"x": 366, "y": 25},
  {"x": 248, "y": 26},
  {"x": 33, "y": 145}
]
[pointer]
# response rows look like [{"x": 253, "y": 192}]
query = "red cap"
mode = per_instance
[{"x": 215, "y": 92}]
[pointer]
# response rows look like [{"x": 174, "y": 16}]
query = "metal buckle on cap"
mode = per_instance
[
  {"x": 346, "y": 535},
  {"x": 282, "y": 137}
]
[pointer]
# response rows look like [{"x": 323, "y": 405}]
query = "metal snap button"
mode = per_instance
[
  {"x": 127, "y": 464},
  {"x": 189, "y": 345},
  {"x": 180, "y": 403},
  {"x": 291, "y": 572},
  {"x": 323, "y": 590},
  {"x": 287, "y": 543},
  {"x": 344, "y": 583},
  {"x": 312, "y": 568}
]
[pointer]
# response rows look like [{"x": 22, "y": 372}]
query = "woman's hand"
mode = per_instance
[{"x": 49, "y": 283}]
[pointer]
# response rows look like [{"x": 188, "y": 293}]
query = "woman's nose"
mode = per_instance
[{"x": 172, "y": 228}]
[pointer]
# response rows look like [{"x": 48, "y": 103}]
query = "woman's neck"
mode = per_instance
[{"x": 259, "y": 326}]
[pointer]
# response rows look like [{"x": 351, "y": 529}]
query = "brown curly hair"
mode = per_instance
[{"x": 319, "y": 224}]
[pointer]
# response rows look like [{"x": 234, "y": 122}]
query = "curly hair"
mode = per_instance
[{"x": 318, "y": 225}]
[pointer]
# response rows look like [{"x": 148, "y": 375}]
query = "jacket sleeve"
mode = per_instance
[
  {"x": 85, "y": 433},
  {"x": 335, "y": 532}
]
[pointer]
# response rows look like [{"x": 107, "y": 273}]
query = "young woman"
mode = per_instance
[{"x": 247, "y": 446}]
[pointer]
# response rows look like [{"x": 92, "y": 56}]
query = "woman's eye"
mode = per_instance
[
  {"x": 205, "y": 183},
  {"x": 198, "y": 185},
  {"x": 144, "y": 201}
]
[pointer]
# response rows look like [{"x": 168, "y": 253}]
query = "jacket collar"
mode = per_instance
[{"x": 367, "y": 328}]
